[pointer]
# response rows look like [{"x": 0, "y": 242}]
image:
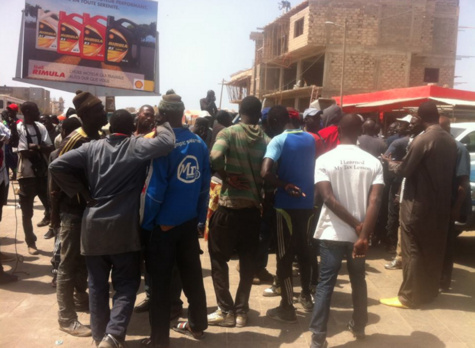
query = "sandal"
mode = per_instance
[
  {"x": 185, "y": 329},
  {"x": 146, "y": 342}
]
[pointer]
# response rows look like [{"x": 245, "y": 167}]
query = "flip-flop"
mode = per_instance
[
  {"x": 146, "y": 342},
  {"x": 185, "y": 329}
]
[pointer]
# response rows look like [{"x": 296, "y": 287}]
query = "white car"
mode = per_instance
[{"x": 465, "y": 133}]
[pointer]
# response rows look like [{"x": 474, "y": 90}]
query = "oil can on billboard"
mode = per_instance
[{"x": 109, "y": 43}]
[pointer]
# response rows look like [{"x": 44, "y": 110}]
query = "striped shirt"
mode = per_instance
[
  {"x": 239, "y": 150},
  {"x": 73, "y": 205}
]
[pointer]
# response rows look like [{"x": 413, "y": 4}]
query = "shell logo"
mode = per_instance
[{"x": 138, "y": 84}]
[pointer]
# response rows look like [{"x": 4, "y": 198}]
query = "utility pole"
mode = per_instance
[{"x": 221, "y": 94}]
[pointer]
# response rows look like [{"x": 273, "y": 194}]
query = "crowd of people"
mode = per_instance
[{"x": 318, "y": 183}]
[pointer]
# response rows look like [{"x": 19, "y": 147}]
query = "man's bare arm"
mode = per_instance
[
  {"x": 374, "y": 202},
  {"x": 325, "y": 190}
]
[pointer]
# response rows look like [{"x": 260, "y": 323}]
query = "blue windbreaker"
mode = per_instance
[{"x": 177, "y": 186}]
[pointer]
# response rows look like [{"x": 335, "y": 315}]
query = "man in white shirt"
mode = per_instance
[
  {"x": 351, "y": 183},
  {"x": 34, "y": 147}
]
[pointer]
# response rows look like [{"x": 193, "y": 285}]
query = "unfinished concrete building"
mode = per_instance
[{"x": 389, "y": 44}]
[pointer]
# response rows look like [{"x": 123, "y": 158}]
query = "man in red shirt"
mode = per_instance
[{"x": 330, "y": 119}]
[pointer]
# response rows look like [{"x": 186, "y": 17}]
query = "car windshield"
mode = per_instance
[{"x": 456, "y": 131}]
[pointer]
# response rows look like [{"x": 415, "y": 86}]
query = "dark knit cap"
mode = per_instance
[
  {"x": 84, "y": 101},
  {"x": 428, "y": 112},
  {"x": 171, "y": 102}
]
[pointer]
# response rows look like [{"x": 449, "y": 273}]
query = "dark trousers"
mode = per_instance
[
  {"x": 176, "y": 285},
  {"x": 125, "y": 281},
  {"x": 3, "y": 197},
  {"x": 423, "y": 249},
  {"x": 266, "y": 234},
  {"x": 313, "y": 247},
  {"x": 11, "y": 159},
  {"x": 331, "y": 255},
  {"x": 392, "y": 225},
  {"x": 178, "y": 246},
  {"x": 292, "y": 239},
  {"x": 233, "y": 230},
  {"x": 448, "y": 266},
  {"x": 72, "y": 272},
  {"x": 29, "y": 189},
  {"x": 380, "y": 233}
]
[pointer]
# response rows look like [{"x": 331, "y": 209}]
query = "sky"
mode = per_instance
[{"x": 203, "y": 42}]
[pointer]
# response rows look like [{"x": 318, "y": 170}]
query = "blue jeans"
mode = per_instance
[
  {"x": 125, "y": 271},
  {"x": 331, "y": 255}
]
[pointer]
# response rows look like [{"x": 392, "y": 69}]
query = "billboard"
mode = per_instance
[{"x": 108, "y": 43}]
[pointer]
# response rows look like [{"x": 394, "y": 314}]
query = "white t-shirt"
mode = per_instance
[
  {"x": 24, "y": 165},
  {"x": 351, "y": 172}
]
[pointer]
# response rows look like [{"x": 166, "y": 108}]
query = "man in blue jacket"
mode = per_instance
[{"x": 176, "y": 201}]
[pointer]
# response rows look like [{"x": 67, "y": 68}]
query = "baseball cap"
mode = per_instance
[
  {"x": 406, "y": 118},
  {"x": 311, "y": 112},
  {"x": 13, "y": 107}
]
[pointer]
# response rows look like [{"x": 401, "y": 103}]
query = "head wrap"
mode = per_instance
[
  {"x": 84, "y": 101},
  {"x": 171, "y": 102},
  {"x": 293, "y": 114}
]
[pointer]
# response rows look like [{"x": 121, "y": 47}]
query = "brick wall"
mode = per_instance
[
  {"x": 365, "y": 72},
  {"x": 389, "y": 43},
  {"x": 302, "y": 40},
  {"x": 383, "y": 37},
  {"x": 418, "y": 65}
]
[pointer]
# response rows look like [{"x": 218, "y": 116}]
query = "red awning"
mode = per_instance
[{"x": 399, "y": 98}]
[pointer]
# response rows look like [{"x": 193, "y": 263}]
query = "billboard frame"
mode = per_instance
[{"x": 72, "y": 87}]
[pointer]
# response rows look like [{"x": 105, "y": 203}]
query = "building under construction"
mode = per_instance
[{"x": 375, "y": 45}]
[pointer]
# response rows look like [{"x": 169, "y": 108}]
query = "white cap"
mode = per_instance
[
  {"x": 310, "y": 112},
  {"x": 406, "y": 118}
]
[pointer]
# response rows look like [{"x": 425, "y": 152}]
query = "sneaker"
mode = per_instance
[
  {"x": 263, "y": 277},
  {"x": 33, "y": 250},
  {"x": 49, "y": 234},
  {"x": 272, "y": 291},
  {"x": 306, "y": 302},
  {"x": 110, "y": 341},
  {"x": 76, "y": 329},
  {"x": 241, "y": 319},
  {"x": 283, "y": 315},
  {"x": 7, "y": 278},
  {"x": 44, "y": 222},
  {"x": 143, "y": 306},
  {"x": 220, "y": 318},
  {"x": 358, "y": 334},
  {"x": 393, "y": 265}
]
